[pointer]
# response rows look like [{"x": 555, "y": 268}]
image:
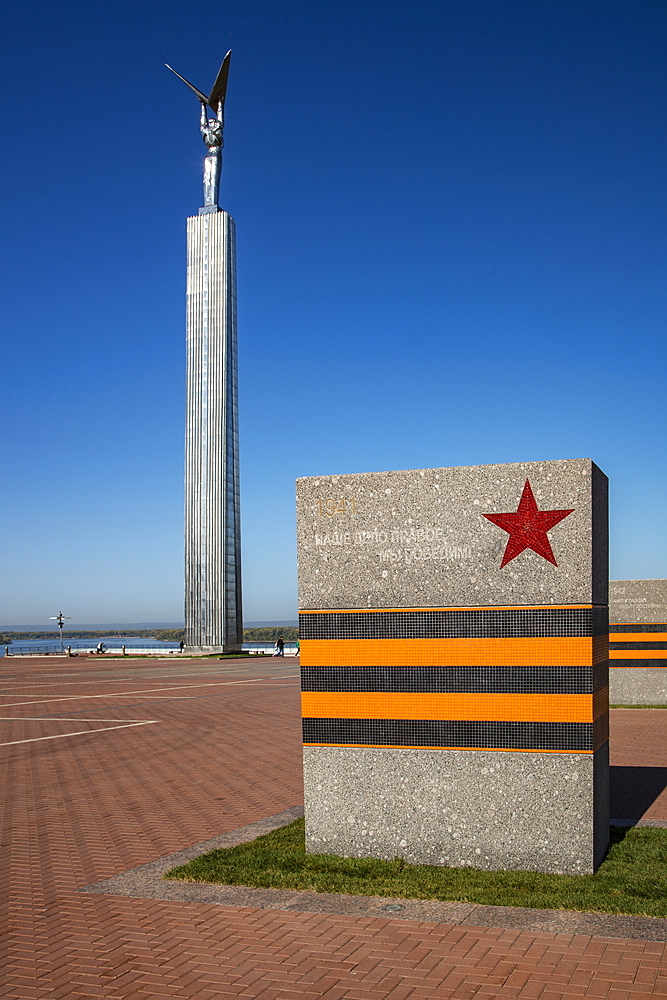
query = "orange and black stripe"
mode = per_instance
[
  {"x": 638, "y": 645},
  {"x": 493, "y": 678}
]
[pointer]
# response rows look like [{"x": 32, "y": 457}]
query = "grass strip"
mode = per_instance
[
  {"x": 638, "y": 706},
  {"x": 632, "y": 879}
]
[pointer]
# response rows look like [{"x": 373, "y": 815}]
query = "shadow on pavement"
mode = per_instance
[{"x": 635, "y": 789}]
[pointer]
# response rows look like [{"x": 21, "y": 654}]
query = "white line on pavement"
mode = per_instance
[
  {"x": 121, "y": 680},
  {"x": 123, "y": 694},
  {"x": 59, "y": 718},
  {"x": 83, "y": 732}
]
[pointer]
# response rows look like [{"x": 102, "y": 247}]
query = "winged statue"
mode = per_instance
[{"x": 212, "y": 129}]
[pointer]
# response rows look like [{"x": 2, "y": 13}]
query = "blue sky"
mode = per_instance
[{"x": 451, "y": 251}]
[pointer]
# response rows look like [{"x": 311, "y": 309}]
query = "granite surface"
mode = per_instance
[
  {"x": 601, "y": 802},
  {"x": 484, "y": 809},
  {"x": 637, "y": 601},
  {"x": 418, "y": 538},
  {"x": 638, "y": 685},
  {"x": 147, "y": 881}
]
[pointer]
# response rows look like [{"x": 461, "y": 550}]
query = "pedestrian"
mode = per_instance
[
  {"x": 181, "y": 645},
  {"x": 298, "y": 648},
  {"x": 280, "y": 646},
  {"x": 100, "y": 647}
]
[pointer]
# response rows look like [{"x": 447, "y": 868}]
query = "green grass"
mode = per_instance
[
  {"x": 632, "y": 879},
  {"x": 638, "y": 706}
]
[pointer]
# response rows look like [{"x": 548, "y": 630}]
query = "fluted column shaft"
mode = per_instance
[{"x": 213, "y": 614}]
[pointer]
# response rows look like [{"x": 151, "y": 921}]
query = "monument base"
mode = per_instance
[
  {"x": 638, "y": 686},
  {"x": 492, "y": 810}
]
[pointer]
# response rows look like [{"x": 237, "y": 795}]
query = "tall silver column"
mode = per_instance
[{"x": 213, "y": 614}]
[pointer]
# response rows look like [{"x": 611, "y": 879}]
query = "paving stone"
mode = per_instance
[{"x": 81, "y": 809}]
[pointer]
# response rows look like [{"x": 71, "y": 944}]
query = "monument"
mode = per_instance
[
  {"x": 454, "y": 652},
  {"x": 638, "y": 642},
  {"x": 213, "y": 614}
]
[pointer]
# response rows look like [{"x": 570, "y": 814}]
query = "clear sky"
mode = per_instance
[{"x": 451, "y": 251}]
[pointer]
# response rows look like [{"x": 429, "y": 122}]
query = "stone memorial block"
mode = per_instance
[
  {"x": 638, "y": 642},
  {"x": 454, "y": 652},
  {"x": 638, "y": 601}
]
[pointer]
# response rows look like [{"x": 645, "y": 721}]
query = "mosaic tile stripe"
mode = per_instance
[
  {"x": 624, "y": 664},
  {"x": 649, "y": 627},
  {"x": 434, "y": 623},
  {"x": 638, "y": 645},
  {"x": 528, "y": 680},
  {"x": 643, "y": 638},
  {"x": 631, "y": 654},
  {"x": 418, "y": 705},
  {"x": 660, "y": 647},
  {"x": 601, "y": 675},
  {"x": 601, "y": 729},
  {"x": 546, "y": 651},
  {"x": 558, "y": 737}
]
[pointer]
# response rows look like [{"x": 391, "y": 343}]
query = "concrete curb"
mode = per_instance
[{"x": 146, "y": 881}]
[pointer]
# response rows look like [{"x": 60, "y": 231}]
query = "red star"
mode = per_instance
[{"x": 528, "y": 527}]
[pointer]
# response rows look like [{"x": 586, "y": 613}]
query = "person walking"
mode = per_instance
[{"x": 280, "y": 646}]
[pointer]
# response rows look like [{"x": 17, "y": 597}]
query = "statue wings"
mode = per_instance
[{"x": 219, "y": 91}]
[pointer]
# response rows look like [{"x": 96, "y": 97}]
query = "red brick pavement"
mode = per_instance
[
  {"x": 639, "y": 764},
  {"x": 216, "y": 756}
]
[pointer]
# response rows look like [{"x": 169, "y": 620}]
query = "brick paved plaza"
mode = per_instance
[{"x": 109, "y": 765}]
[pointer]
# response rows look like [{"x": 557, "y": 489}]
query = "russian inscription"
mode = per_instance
[{"x": 408, "y": 545}]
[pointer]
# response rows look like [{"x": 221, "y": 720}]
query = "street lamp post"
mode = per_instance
[{"x": 61, "y": 619}]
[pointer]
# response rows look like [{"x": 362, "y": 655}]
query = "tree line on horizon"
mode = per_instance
[{"x": 290, "y": 633}]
